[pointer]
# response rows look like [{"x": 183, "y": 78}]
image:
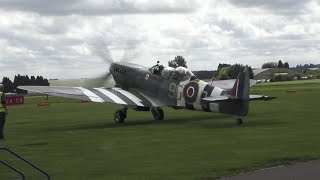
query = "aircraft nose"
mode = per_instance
[{"x": 111, "y": 67}]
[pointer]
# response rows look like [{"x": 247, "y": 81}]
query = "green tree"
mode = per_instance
[
  {"x": 269, "y": 65},
  {"x": 286, "y": 65},
  {"x": 232, "y": 72},
  {"x": 280, "y": 64},
  {"x": 251, "y": 75},
  {"x": 220, "y": 66},
  {"x": 223, "y": 73},
  {"x": 223, "y": 65},
  {"x": 8, "y": 85},
  {"x": 178, "y": 61}
]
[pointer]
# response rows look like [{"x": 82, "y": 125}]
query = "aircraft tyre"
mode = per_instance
[
  {"x": 157, "y": 113},
  {"x": 119, "y": 116},
  {"x": 239, "y": 121}
]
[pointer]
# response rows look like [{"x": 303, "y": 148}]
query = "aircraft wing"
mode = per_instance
[
  {"x": 101, "y": 95},
  {"x": 228, "y": 84}
]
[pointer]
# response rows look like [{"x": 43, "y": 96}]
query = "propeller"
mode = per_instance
[
  {"x": 131, "y": 51},
  {"x": 102, "y": 50},
  {"x": 104, "y": 53}
]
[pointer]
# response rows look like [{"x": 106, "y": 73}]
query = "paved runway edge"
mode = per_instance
[{"x": 304, "y": 170}]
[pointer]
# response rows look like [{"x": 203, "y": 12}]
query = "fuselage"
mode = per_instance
[{"x": 177, "y": 88}]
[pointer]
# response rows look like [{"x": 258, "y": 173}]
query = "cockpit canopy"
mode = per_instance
[{"x": 179, "y": 73}]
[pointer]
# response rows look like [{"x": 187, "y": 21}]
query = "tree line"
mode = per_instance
[
  {"x": 23, "y": 81},
  {"x": 275, "y": 65},
  {"x": 306, "y": 66},
  {"x": 228, "y": 71}
]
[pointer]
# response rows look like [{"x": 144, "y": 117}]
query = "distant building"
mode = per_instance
[{"x": 260, "y": 74}]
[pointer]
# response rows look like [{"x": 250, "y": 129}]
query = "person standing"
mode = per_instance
[{"x": 3, "y": 111}]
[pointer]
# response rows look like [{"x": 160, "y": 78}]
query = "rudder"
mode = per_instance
[
  {"x": 240, "y": 90},
  {"x": 241, "y": 87}
]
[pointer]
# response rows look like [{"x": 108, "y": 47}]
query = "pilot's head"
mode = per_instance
[{"x": 161, "y": 68}]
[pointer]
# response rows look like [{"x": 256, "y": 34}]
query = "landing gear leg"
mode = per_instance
[
  {"x": 239, "y": 121},
  {"x": 125, "y": 109},
  {"x": 120, "y": 115},
  {"x": 157, "y": 113}
]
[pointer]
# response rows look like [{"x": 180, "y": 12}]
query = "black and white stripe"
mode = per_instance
[
  {"x": 93, "y": 97},
  {"x": 111, "y": 97},
  {"x": 118, "y": 96},
  {"x": 206, "y": 92}
]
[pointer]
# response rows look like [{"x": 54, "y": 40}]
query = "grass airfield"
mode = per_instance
[{"x": 72, "y": 140}]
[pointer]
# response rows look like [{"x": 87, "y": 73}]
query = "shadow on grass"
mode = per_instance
[{"x": 208, "y": 122}]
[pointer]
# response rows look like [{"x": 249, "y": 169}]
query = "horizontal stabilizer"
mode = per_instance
[
  {"x": 212, "y": 99},
  {"x": 234, "y": 99},
  {"x": 260, "y": 97}
]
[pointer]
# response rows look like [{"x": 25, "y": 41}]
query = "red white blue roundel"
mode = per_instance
[{"x": 190, "y": 92}]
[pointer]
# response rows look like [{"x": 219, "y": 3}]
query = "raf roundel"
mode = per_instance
[
  {"x": 190, "y": 92},
  {"x": 147, "y": 77}
]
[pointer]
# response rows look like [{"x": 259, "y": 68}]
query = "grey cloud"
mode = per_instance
[
  {"x": 285, "y": 7},
  {"x": 61, "y": 44},
  {"x": 83, "y": 7}
]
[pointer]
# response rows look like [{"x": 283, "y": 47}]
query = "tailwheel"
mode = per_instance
[
  {"x": 120, "y": 115},
  {"x": 157, "y": 113},
  {"x": 239, "y": 121}
]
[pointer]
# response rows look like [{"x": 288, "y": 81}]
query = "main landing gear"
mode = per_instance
[
  {"x": 121, "y": 115},
  {"x": 157, "y": 113}
]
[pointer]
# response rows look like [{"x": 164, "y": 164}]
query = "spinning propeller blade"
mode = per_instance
[{"x": 102, "y": 50}]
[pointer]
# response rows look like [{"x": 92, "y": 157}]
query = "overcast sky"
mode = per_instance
[{"x": 62, "y": 38}]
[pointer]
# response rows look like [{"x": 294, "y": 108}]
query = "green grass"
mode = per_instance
[
  {"x": 294, "y": 82},
  {"x": 71, "y": 140}
]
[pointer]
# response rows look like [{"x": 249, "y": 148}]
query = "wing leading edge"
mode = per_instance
[{"x": 101, "y": 95}]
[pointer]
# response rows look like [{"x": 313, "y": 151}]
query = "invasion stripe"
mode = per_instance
[
  {"x": 132, "y": 97},
  {"x": 208, "y": 89},
  {"x": 112, "y": 96},
  {"x": 145, "y": 101},
  {"x": 91, "y": 95},
  {"x": 214, "y": 107},
  {"x": 124, "y": 98},
  {"x": 102, "y": 95}
]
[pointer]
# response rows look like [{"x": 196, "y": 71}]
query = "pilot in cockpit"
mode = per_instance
[{"x": 157, "y": 69}]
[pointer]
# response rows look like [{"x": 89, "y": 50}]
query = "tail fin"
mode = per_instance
[{"x": 240, "y": 88}]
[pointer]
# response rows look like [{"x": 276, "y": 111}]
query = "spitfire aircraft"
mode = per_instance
[{"x": 149, "y": 89}]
